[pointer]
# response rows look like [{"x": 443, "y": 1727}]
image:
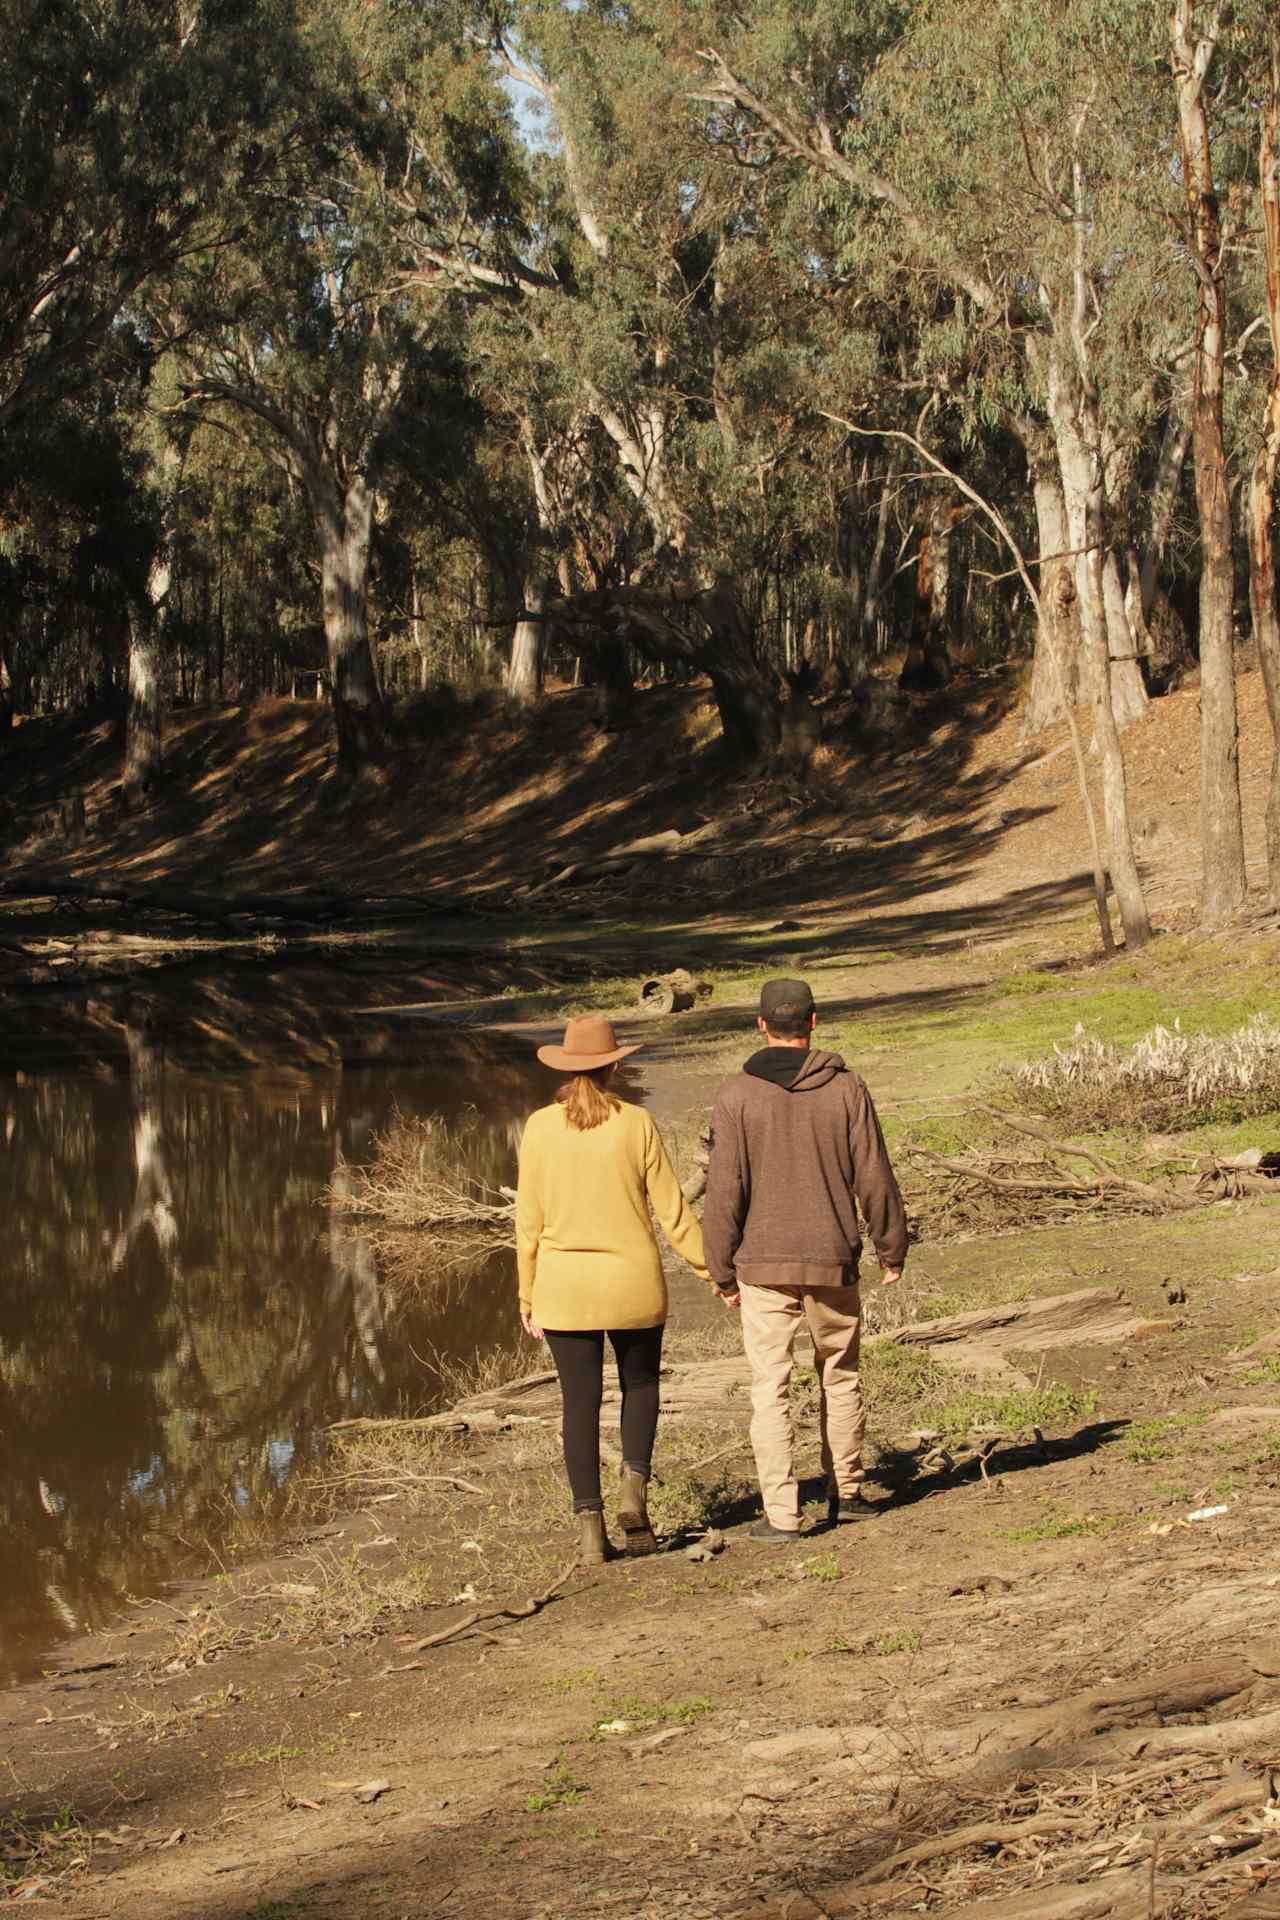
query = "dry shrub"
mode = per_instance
[
  {"x": 1166, "y": 1080},
  {"x": 423, "y": 1175}
]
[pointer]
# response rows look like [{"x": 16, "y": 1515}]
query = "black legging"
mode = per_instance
[{"x": 579, "y": 1359}]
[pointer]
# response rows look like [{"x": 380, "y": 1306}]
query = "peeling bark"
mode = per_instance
[
  {"x": 1261, "y": 504},
  {"x": 1164, "y": 491},
  {"x": 1224, "y": 888},
  {"x": 144, "y": 719},
  {"x": 1058, "y": 623},
  {"x": 529, "y": 644},
  {"x": 344, "y": 521},
  {"x": 1082, "y": 489}
]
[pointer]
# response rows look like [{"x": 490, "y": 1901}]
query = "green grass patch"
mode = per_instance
[
  {"x": 900, "y": 1640},
  {"x": 1065, "y": 1526},
  {"x": 1152, "y": 1440},
  {"x": 891, "y": 1372},
  {"x": 639, "y": 1712},
  {"x": 1054, "y": 1405},
  {"x": 559, "y": 1789}
]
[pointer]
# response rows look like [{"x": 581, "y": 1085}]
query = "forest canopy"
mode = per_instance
[{"x": 361, "y": 347}]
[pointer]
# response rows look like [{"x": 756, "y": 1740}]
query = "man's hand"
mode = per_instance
[
  {"x": 890, "y": 1276},
  {"x": 727, "y": 1299},
  {"x": 526, "y": 1321}
]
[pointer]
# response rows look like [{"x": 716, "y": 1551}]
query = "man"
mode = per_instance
[{"x": 794, "y": 1143}]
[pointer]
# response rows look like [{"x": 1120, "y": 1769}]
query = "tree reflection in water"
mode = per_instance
[{"x": 181, "y": 1318}]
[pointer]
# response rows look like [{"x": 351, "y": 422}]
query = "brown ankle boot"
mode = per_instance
[
  {"x": 593, "y": 1543},
  {"x": 633, "y": 1513}
]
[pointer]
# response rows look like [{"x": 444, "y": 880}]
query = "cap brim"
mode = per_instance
[{"x": 583, "y": 1062}]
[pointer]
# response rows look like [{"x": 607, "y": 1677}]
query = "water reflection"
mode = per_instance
[{"x": 182, "y": 1315}]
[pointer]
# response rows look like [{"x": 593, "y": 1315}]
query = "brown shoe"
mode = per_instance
[
  {"x": 848, "y": 1512},
  {"x": 593, "y": 1542},
  {"x": 633, "y": 1513}
]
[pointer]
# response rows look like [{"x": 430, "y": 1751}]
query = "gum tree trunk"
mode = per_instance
[
  {"x": 1058, "y": 623},
  {"x": 345, "y": 520},
  {"x": 1224, "y": 888},
  {"x": 1164, "y": 492},
  {"x": 144, "y": 716},
  {"x": 1261, "y": 504},
  {"x": 529, "y": 644},
  {"x": 871, "y": 606},
  {"x": 1080, "y": 460},
  {"x": 747, "y": 694}
]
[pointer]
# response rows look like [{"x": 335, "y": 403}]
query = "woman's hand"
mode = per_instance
[{"x": 527, "y": 1322}]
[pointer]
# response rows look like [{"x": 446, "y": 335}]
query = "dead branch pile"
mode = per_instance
[
  {"x": 1005, "y": 1187},
  {"x": 419, "y": 1180},
  {"x": 1168, "y": 1079},
  {"x": 1153, "y": 1795}
]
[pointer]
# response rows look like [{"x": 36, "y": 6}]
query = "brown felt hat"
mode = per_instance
[{"x": 589, "y": 1042}]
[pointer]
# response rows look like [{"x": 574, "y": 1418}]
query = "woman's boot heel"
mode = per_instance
[
  {"x": 633, "y": 1513},
  {"x": 593, "y": 1542}
]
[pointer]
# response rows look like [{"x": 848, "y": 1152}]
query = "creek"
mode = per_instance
[{"x": 182, "y": 1311}]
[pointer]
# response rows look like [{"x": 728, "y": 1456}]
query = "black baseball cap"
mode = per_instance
[{"x": 785, "y": 1003}]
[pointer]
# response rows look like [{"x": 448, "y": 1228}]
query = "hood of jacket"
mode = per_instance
[{"x": 794, "y": 1071}]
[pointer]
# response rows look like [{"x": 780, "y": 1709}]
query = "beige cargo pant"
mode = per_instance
[{"x": 771, "y": 1318}]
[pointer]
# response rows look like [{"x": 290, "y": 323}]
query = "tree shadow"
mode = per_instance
[{"x": 899, "y": 1472}]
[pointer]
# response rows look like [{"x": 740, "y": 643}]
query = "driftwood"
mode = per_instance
[
  {"x": 474, "y": 1622},
  {"x": 1092, "y": 1316},
  {"x": 650, "y": 847},
  {"x": 1107, "y": 1724},
  {"x": 302, "y": 904},
  {"x": 1064, "y": 1179},
  {"x": 723, "y": 1386},
  {"x": 673, "y": 992}
]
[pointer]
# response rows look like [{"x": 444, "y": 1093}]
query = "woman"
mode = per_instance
[{"x": 590, "y": 1167}]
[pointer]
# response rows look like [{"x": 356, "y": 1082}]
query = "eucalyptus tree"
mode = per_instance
[
  {"x": 316, "y": 337},
  {"x": 1261, "y": 506},
  {"x": 1194, "y": 32},
  {"x": 1001, "y": 155},
  {"x": 626, "y": 298},
  {"x": 121, "y": 128}
]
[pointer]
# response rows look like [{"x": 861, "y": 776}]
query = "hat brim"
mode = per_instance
[{"x": 565, "y": 1062}]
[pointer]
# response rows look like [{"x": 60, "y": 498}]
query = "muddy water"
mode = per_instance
[{"x": 182, "y": 1314}]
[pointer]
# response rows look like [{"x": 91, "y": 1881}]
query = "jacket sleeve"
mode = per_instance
[
  {"x": 670, "y": 1208},
  {"x": 529, "y": 1216},
  {"x": 724, "y": 1211},
  {"x": 874, "y": 1181}
]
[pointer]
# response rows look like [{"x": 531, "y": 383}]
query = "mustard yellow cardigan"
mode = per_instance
[{"x": 585, "y": 1249}]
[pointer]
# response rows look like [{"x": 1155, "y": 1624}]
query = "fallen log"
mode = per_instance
[
  {"x": 652, "y": 846},
  {"x": 673, "y": 992},
  {"x": 1090, "y": 1316},
  {"x": 300, "y": 904},
  {"x": 1093, "y": 1314}
]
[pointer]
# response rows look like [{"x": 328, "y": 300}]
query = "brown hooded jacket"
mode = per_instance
[{"x": 794, "y": 1142}]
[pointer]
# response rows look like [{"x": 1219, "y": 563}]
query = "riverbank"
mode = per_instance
[
  {"x": 1017, "y": 1681},
  {"x": 502, "y": 847}
]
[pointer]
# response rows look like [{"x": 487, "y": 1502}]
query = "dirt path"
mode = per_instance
[
  {"x": 745, "y": 1735},
  {"x": 1050, "y": 1692}
]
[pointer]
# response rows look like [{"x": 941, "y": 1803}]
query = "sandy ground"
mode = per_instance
[{"x": 1053, "y": 1692}]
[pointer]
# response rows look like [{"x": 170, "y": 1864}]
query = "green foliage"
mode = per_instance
[
  {"x": 559, "y": 1789},
  {"x": 1059, "y": 1526},
  {"x": 1053, "y": 1406},
  {"x": 897, "y": 1640},
  {"x": 639, "y": 1712}
]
